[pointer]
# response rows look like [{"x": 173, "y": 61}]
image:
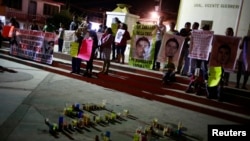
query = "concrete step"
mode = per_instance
[{"x": 147, "y": 84}]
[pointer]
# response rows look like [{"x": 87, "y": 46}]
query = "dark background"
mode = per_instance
[{"x": 142, "y": 8}]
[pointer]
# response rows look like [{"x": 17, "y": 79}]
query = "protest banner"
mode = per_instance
[
  {"x": 7, "y": 31},
  {"x": 142, "y": 46},
  {"x": 33, "y": 45},
  {"x": 200, "y": 44},
  {"x": 224, "y": 51},
  {"x": 171, "y": 46},
  {"x": 68, "y": 38},
  {"x": 86, "y": 49},
  {"x": 74, "y": 47},
  {"x": 119, "y": 35}
]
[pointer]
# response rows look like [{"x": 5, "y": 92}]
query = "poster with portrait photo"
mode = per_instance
[
  {"x": 142, "y": 46},
  {"x": 171, "y": 45},
  {"x": 224, "y": 51},
  {"x": 119, "y": 35}
]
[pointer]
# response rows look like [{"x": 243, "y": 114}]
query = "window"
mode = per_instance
[
  {"x": 50, "y": 9},
  {"x": 206, "y": 22},
  {"x": 16, "y": 4}
]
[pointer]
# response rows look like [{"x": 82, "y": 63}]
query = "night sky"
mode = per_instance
[{"x": 138, "y": 7}]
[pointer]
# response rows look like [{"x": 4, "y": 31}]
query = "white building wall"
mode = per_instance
[
  {"x": 25, "y": 6},
  {"x": 223, "y": 13},
  {"x": 244, "y": 21},
  {"x": 127, "y": 18}
]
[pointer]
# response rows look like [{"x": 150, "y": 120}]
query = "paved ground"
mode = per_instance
[{"x": 31, "y": 95}]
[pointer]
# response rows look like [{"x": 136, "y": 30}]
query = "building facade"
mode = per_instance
[{"x": 27, "y": 10}]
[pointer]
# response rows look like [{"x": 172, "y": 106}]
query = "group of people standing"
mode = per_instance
[
  {"x": 106, "y": 45},
  {"x": 188, "y": 66}
]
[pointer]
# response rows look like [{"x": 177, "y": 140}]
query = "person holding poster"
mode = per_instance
[
  {"x": 91, "y": 34},
  {"x": 242, "y": 62},
  {"x": 76, "y": 62},
  {"x": 192, "y": 61},
  {"x": 106, "y": 45},
  {"x": 171, "y": 47},
  {"x": 121, "y": 38},
  {"x": 159, "y": 31},
  {"x": 142, "y": 48},
  {"x": 115, "y": 26},
  {"x": 184, "y": 32},
  {"x": 229, "y": 32}
]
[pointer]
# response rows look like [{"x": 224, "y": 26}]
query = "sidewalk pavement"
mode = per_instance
[{"x": 31, "y": 95}]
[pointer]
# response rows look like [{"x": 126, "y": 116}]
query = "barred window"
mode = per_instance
[
  {"x": 15, "y": 4},
  {"x": 50, "y": 9}
]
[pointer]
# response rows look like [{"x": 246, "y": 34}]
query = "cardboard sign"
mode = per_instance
[
  {"x": 86, "y": 49},
  {"x": 7, "y": 31},
  {"x": 74, "y": 49}
]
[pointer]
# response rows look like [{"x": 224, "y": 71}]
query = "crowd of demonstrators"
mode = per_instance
[
  {"x": 198, "y": 70},
  {"x": 83, "y": 31}
]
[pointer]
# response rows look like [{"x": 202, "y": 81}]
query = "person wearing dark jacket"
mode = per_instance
[{"x": 89, "y": 66}]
